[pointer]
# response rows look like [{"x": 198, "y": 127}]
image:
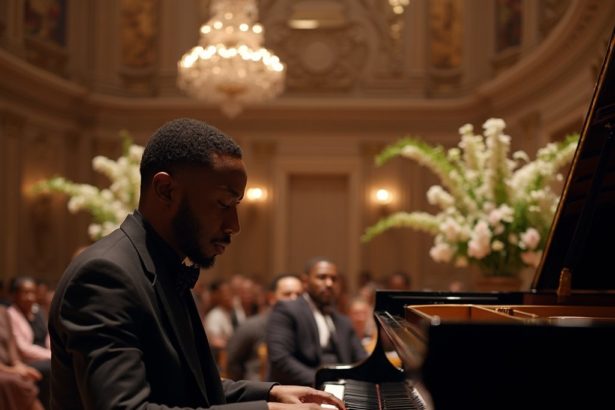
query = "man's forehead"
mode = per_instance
[
  {"x": 288, "y": 282},
  {"x": 324, "y": 268},
  {"x": 229, "y": 179}
]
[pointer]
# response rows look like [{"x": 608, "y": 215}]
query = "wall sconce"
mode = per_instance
[
  {"x": 256, "y": 194},
  {"x": 383, "y": 197}
]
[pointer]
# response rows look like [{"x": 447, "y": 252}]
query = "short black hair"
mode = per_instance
[
  {"x": 401, "y": 274},
  {"x": 313, "y": 261},
  {"x": 216, "y": 284},
  {"x": 181, "y": 142},
  {"x": 17, "y": 282},
  {"x": 277, "y": 278}
]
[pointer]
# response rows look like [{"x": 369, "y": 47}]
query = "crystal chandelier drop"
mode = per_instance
[{"x": 230, "y": 67}]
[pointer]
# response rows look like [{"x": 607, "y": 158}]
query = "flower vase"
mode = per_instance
[{"x": 501, "y": 283}]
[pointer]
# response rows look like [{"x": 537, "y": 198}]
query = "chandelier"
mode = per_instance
[{"x": 230, "y": 67}]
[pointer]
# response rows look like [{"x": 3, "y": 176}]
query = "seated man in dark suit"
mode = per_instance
[
  {"x": 125, "y": 331},
  {"x": 308, "y": 332}
]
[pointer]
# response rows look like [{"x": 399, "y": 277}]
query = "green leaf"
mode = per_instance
[{"x": 421, "y": 221}]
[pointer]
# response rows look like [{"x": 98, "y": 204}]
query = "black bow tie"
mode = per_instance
[{"x": 187, "y": 277}]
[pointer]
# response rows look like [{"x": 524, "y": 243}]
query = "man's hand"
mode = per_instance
[{"x": 302, "y": 394}]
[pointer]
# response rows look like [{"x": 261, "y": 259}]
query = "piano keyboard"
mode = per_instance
[{"x": 360, "y": 395}]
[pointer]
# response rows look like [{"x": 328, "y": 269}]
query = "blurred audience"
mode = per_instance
[
  {"x": 341, "y": 300},
  {"x": 28, "y": 321},
  {"x": 218, "y": 323},
  {"x": 202, "y": 298},
  {"x": 29, "y": 327},
  {"x": 361, "y": 314},
  {"x": 44, "y": 294},
  {"x": 18, "y": 390},
  {"x": 368, "y": 292},
  {"x": 456, "y": 286},
  {"x": 245, "y": 302},
  {"x": 365, "y": 277},
  {"x": 4, "y": 297},
  {"x": 246, "y": 349},
  {"x": 398, "y": 281}
]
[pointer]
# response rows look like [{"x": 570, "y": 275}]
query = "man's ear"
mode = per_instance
[{"x": 165, "y": 187}]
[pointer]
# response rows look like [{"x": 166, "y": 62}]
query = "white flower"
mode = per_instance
[
  {"x": 466, "y": 129},
  {"x": 497, "y": 246},
  {"x": 436, "y": 195},
  {"x": 493, "y": 210},
  {"x": 479, "y": 245},
  {"x": 454, "y": 154},
  {"x": 530, "y": 239},
  {"x": 494, "y": 126},
  {"x": 441, "y": 252},
  {"x": 94, "y": 230},
  {"x": 504, "y": 213},
  {"x": 108, "y": 206},
  {"x": 521, "y": 156},
  {"x": 451, "y": 229},
  {"x": 408, "y": 151}
]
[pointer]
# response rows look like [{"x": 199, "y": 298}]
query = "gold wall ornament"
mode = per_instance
[{"x": 139, "y": 28}]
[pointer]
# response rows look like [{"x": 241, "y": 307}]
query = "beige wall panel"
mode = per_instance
[
  {"x": 11, "y": 128},
  {"x": 318, "y": 211},
  {"x": 302, "y": 204}
]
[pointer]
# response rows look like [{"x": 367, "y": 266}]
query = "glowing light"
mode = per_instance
[
  {"x": 230, "y": 67},
  {"x": 256, "y": 194}
]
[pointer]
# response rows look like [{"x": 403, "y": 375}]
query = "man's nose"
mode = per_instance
[{"x": 232, "y": 223}]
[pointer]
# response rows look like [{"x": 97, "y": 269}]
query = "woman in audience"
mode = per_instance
[
  {"x": 28, "y": 320},
  {"x": 361, "y": 314},
  {"x": 18, "y": 390},
  {"x": 30, "y": 330}
]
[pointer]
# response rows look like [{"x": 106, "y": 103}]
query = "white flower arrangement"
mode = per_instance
[
  {"x": 109, "y": 206},
  {"x": 494, "y": 211}
]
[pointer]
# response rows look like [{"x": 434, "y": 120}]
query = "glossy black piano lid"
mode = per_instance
[{"x": 582, "y": 236}]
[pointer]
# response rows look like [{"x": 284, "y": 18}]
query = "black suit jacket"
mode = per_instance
[
  {"x": 293, "y": 344},
  {"x": 123, "y": 337}
]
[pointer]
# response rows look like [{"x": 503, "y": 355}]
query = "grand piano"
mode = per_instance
[{"x": 552, "y": 347}]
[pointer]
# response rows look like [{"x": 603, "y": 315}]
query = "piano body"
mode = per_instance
[{"x": 551, "y": 347}]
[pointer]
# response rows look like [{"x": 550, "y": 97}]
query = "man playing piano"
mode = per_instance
[{"x": 124, "y": 327}]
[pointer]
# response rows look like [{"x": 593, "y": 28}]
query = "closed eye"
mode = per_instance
[{"x": 225, "y": 205}]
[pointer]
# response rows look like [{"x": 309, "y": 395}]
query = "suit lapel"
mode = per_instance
[
  {"x": 182, "y": 330},
  {"x": 171, "y": 304},
  {"x": 309, "y": 315},
  {"x": 335, "y": 339},
  {"x": 209, "y": 367}
]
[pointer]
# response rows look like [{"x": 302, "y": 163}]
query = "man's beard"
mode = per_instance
[
  {"x": 186, "y": 231},
  {"x": 325, "y": 303}
]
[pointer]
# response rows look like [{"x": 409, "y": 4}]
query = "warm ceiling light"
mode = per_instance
[{"x": 229, "y": 67}]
